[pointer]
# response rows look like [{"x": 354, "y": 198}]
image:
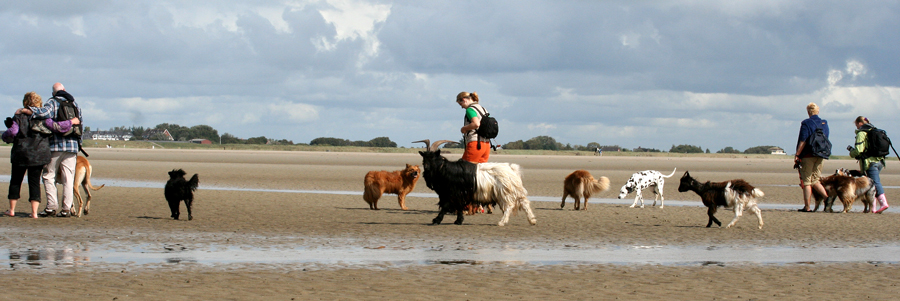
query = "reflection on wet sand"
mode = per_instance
[{"x": 629, "y": 255}]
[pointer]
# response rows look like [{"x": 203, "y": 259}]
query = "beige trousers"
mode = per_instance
[{"x": 62, "y": 164}]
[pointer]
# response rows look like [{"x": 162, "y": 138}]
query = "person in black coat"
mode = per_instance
[{"x": 30, "y": 152}]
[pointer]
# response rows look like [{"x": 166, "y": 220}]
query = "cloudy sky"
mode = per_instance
[{"x": 629, "y": 73}]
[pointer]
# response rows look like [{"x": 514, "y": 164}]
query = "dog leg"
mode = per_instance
[
  {"x": 640, "y": 196},
  {"x": 401, "y": 198},
  {"x": 188, "y": 203},
  {"x": 437, "y": 220},
  {"x": 584, "y": 206},
  {"x": 738, "y": 211},
  {"x": 173, "y": 206},
  {"x": 563, "y": 204},
  {"x": 712, "y": 218},
  {"x": 460, "y": 212},
  {"x": 636, "y": 197},
  {"x": 659, "y": 192},
  {"x": 87, "y": 201},
  {"x": 758, "y": 213},
  {"x": 505, "y": 218},
  {"x": 527, "y": 205},
  {"x": 79, "y": 202}
]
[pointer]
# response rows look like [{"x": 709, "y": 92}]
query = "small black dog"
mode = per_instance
[{"x": 177, "y": 189}]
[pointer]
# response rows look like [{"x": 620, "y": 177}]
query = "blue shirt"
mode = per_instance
[
  {"x": 58, "y": 142},
  {"x": 808, "y": 128}
]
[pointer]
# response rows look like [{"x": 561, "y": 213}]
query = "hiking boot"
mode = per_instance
[
  {"x": 47, "y": 213},
  {"x": 64, "y": 213}
]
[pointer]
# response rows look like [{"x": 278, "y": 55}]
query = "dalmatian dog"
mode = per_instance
[{"x": 640, "y": 181}]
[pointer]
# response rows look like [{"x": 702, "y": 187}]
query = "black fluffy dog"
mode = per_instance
[{"x": 177, "y": 189}]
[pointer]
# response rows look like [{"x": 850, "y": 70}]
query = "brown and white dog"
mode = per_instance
[
  {"x": 400, "y": 182},
  {"x": 581, "y": 184},
  {"x": 848, "y": 189},
  {"x": 83, "y": 171}
]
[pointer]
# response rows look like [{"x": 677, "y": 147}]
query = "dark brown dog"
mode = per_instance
[
  {"x": 848, "y": 189},
  {"x": 178, "y": 189},
  {"x": 581, "y": 184},
  {"x": 399, "y": 182}
]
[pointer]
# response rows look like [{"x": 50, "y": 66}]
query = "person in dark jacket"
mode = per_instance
[
  {"x": 810, "y": 166},
  {"x": 30, "y": 152}
]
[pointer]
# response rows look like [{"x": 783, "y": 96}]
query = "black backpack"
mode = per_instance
[
  {"x": 819, "y": 143},
  {"x": 877, "y": 143},
  {"x": 489, "y": 127},
  {"x": 67, "y": 110}
]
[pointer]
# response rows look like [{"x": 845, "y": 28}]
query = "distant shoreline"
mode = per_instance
[{"x": 359, "y": 149}]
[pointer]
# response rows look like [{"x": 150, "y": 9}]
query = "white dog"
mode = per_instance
[{"x": 640, "y": 181}]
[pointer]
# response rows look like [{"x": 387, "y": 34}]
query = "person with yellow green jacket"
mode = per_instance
[{"x": 871, "y": 166}]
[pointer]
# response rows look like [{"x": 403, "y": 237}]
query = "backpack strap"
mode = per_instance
[{"x": 478, "y": 146}]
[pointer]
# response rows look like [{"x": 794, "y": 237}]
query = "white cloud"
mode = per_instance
[
  {"x": 353, "y": 20},
  {"x": 294, "y": 112},
  {"x": 541, "y": 126}
]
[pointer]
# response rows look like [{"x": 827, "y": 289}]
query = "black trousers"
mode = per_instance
[{"x": 34, "y": 182}]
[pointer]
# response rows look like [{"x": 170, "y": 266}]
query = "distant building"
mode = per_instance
[
  {"x": 776, "y": 151},
  {"x": 157, "y": 134},
  {"x": 107, "y": 135},
  {"x": 201, "y": 141}
]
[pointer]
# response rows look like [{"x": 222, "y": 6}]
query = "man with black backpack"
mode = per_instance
[
  {"x": 64, "y": 149},
  {"x": 812, "y": 148}
]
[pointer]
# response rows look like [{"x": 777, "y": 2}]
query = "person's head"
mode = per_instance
[
  {"x": 58, "y": 87},
  {"x": 812, "y": 109},
  {"x": 31, "y": 99},
  {"x": 860, "y": 121},
  {"x": 464, "y": 99}
]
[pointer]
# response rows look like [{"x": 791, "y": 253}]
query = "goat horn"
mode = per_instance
[
  {"x": 437, "y": 144},
  {"x": 427, "y": 144}
]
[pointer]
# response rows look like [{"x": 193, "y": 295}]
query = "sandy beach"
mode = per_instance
[{"x": 277, "y": 201}]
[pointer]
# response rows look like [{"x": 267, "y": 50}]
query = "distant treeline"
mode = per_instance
[
  {"x": 377, "y": 142},
  {"x": 182, "y": 133}
]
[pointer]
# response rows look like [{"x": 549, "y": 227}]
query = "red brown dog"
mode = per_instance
[
  {"x": 580, "y": 184},
  {"x": 399, "y": 182}
]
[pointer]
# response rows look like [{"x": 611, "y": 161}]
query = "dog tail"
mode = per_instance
[
  {"x": 601, "y": 184},
  {"x": 194, "y": 182},
  {"x": 757, "y": 193},
  {"x": 673, "y": 172},
  {"x": 87, "y": 179}
]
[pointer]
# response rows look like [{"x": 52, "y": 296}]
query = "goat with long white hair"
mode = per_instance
[{"x": 460, "y": 183}]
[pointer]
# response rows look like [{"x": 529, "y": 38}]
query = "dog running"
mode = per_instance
[{"x": 178, "y": 189}]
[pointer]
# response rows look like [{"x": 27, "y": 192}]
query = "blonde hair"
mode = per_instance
[
  {"x": 862, "y": 119},
  {"x": 812, "y": 109},
  {"x": 32, "y": 99},
  {"x": 473, "y": 96}
]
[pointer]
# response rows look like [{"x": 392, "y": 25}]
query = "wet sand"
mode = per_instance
[{"x": 127, "y": 217}]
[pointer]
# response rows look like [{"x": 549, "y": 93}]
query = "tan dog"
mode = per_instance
[
  {"x": 848, "y": 189},
  {"x": 83, "y": 179},
  {"x": 400, "y": 182},
  {"x": 581, "y": 184}
]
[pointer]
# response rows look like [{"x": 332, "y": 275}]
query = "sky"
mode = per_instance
[{"x": 649, "y": 74}]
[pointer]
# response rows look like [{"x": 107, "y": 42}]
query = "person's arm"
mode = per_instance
[
  {"x": 476, "y": 122},
  {"x": 39, "y": 112},
  {"x": 11, "y": 133},
  {"x": 860, "y": 146}
]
